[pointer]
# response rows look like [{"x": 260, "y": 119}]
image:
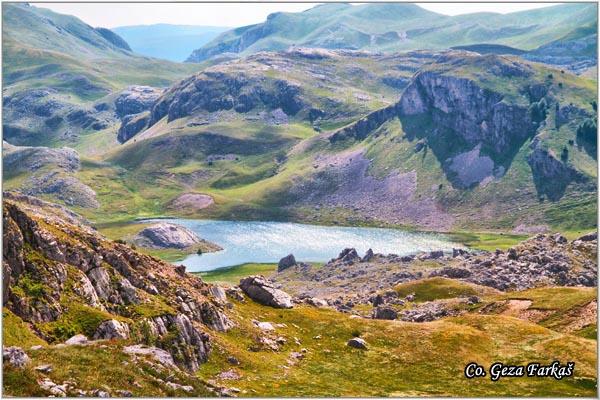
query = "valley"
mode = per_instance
[{"x": 358, "y": 206}]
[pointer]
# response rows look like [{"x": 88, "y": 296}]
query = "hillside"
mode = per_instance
[
  {"x": 59, "y": 72},
  {"x": 394, "y": 27},
  {"x": 166, "y": 41},
  {"x": 85, "y": 316},
  {"x": 441, "y": 156}
]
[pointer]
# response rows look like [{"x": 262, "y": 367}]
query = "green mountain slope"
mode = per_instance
[
  {"x": 393, "y": 27},
  {"x": 56, "y": 69}
]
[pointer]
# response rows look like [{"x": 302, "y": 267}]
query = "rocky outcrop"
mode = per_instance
[
  {"x": 184, "y": 342},
  {"x": 159, "y": 355},
  {"x": 166, "y": 235},
  {"x": 545, "y": 260},
  {"x": 50, "y": 172},
  {"x": 286, "y": 262},
  {"x": 472, "y": 113},
  {"x": 15, "y": 356},
  {"x": 551, "y": 175},
  {"x": 112, "y": 329},
  {"x": 132, "y": 124},
  {"x": 262, "y": 291},
  {"x": 17, "y": 159},
  {"x": 52, "y": 260},
  {"x": 363, "y": 127},
  {"x": 383, "y": 312},
  {"x": 215, "y": 90},
  {"x": 136, "y": 99}
]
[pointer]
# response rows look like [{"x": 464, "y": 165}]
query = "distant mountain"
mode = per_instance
[
  {"x": 398, "y": 26},
  {"x": 169, "y": 42}
]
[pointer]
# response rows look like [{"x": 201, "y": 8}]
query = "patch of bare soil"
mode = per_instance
[
  {"x": 581, "y": 317},
  {"x": 191, "y": 202}
]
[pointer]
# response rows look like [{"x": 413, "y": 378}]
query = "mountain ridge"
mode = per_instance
[{"x": 412, "y": 27}]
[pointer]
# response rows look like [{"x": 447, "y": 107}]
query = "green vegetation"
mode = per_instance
[
  {"x": 112, "y": 370},
  {"x": 419, "y": 359},
  {"x": 76, "y": 318},
  {"x": 487, "y": 241},
  {"x": 15, "y": 332},
  {"x": 438, "y": 288},
  {"x": 232, "y": 275}
]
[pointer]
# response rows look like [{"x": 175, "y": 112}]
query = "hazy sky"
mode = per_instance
[{"x": 233, "y": 15}]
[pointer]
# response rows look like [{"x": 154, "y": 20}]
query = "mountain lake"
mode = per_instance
[{"x": 267, "y": 242}]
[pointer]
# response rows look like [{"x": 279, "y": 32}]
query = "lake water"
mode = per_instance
[{"x": 267, "y": 242}]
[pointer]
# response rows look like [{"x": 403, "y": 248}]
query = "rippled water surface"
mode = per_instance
[{"x": 267, "y": 242}]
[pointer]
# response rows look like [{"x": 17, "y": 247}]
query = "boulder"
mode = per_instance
[
  {"x": 316, "y": 302},
  {"x": 235, "y": 293},
  {"x": 77, "y": 340},
  {"x": 368, "y": 256},
  {"x": 436, "y": 254},
  {"x": 159, "y": 355},
  {"x": 15, "y": 356},
  {"x": 112, "y": 329},
  {"x": 54, "y": 389},
  {"x": 384, "y": 313},
  {"x": 262, "y": 291},
  {"x": 218, "y": 293},
  {"x": 286, "y": 262},
  {"x": 357, "y": 343},
  {"x": 348, "y": 254},
  {"x": 589, "y": 237},
  {"x": 45, "y": 368},
  {"x": 165, "y": 235}
]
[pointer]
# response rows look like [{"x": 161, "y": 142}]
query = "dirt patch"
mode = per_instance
[
  {"x": 191, "y": 202},
  {"x": 582, "y": 317},
  {"x": 515, "y": 308}
]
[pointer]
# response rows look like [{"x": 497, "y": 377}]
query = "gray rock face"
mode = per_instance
[
  {"x": 550, "y": 175},
  {"x": 132, "y": 124},
  {"x": 166, "y": 235},
  {"x": 112, "y": 329},
  {"x": 262, "y": 291},
  {"x": 357, "y": 343},
  {"x": 215, "y": 90},
  {"x": 136, "y": 99},
  {"x": 186, "y": 344},
  {"x": 15, "y": 356},
  {"x": 286, "y": 262},
  {"x": 473, "y": 114},
  {"x": 363, "y": 127},
  {"x": 472, "y": 167}
]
